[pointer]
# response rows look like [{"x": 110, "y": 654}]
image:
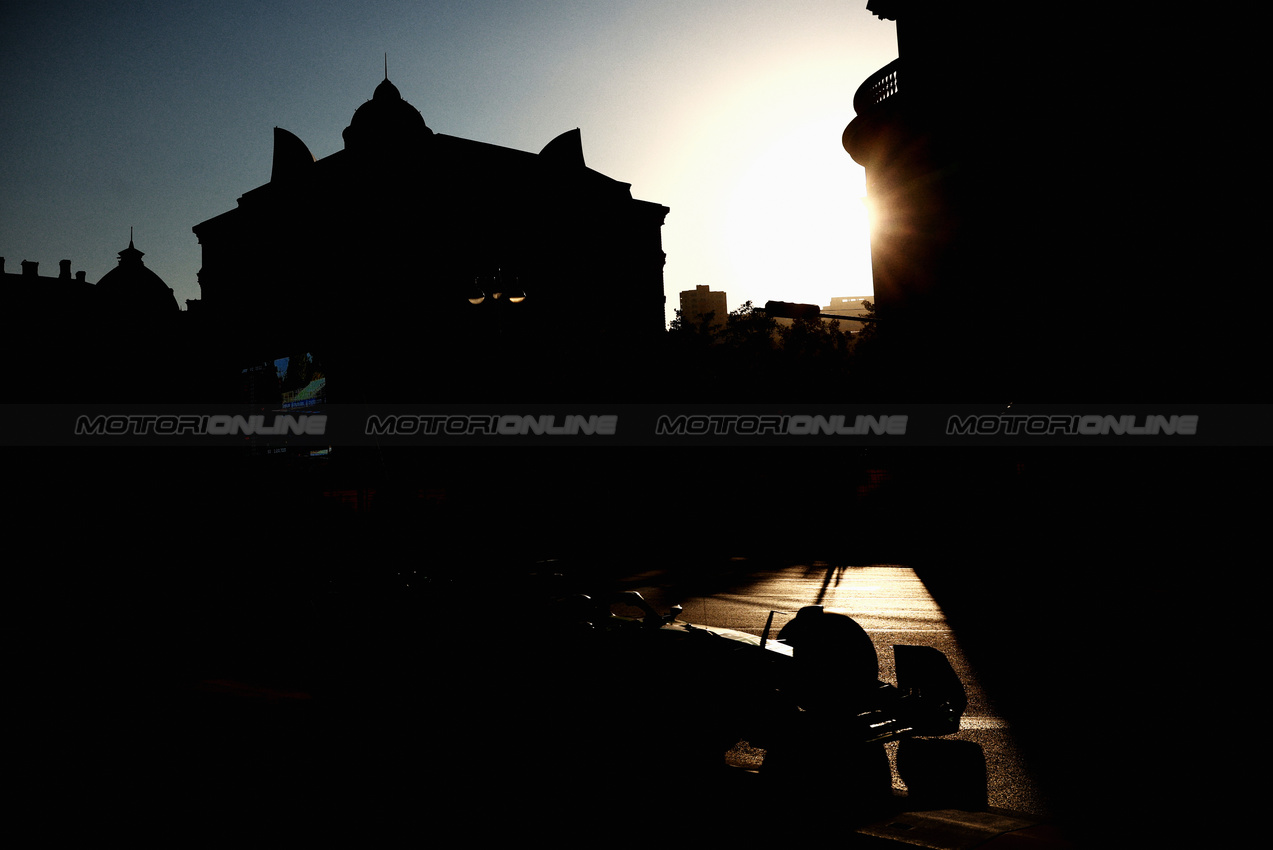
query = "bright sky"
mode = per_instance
[{"x": 159, "y": 114}]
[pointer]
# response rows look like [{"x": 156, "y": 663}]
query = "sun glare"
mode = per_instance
[{"x": 796, "y": 228}]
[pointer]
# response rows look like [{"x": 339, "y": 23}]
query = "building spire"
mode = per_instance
[
  {"x": 130, "y": 254},
  {"x": 386, "y": 65}
]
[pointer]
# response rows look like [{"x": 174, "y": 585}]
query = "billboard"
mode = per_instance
[{"x": 295, "y": 381}]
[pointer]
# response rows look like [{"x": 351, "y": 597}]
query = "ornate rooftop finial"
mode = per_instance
[{"x": 130, "y": 254}]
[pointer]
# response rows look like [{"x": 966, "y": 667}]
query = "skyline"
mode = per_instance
[{"x": 155, "y": 118}]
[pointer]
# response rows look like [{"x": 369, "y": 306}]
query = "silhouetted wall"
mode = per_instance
[{"x": 1022, "y": 155}]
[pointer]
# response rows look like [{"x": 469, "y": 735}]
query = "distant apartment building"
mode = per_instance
[
  {"x": 849, "y": 305},
  {"x": 701, "y": 301}
]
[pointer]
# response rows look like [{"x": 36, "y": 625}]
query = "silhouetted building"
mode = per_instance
[
  {"x": 135, "y": 292},
  {"x": 70, "y": 340},
  {"x": 28, "y": 290},
  {"x": 700, "y": 301},
  {"x": 394, "y": 261},
  {"x": 129, "y": 290},
  {"x": 849, "y": 305},
  {"x": 39, "y": 311},
  {"x": 1017, "y": 159}
]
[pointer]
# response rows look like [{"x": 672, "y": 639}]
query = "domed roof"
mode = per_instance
[
  {"x": 386, "y": 91},
  {"x": 384, "y": 120},
  {"x": 132, "y": 288}
]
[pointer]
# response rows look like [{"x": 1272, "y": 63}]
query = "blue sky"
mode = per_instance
[{"x": 159, "y": 115}]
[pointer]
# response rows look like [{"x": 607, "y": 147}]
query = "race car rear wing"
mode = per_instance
[{"x": 929, "y": 699}]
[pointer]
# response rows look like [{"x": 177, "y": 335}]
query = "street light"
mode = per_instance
[{"x": 498, "y": 285}]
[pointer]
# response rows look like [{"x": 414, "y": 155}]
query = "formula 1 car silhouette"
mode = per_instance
[{"x": 723, "y": 686}]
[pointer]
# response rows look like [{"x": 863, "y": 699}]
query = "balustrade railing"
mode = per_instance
[{"x": 878, "y": 88}]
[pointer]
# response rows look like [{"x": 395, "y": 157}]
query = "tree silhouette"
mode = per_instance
[{"x": 750, "y": 357}]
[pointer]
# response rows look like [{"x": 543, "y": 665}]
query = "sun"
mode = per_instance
[{"x": 797, "y": 227}]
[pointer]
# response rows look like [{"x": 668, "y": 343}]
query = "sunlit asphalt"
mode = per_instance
[{"x": 894, "y": 607}]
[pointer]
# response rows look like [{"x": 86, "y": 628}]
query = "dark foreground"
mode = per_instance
[
  {"x": 398, "y": 738},
  {"x": 208, "y": 651}
]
